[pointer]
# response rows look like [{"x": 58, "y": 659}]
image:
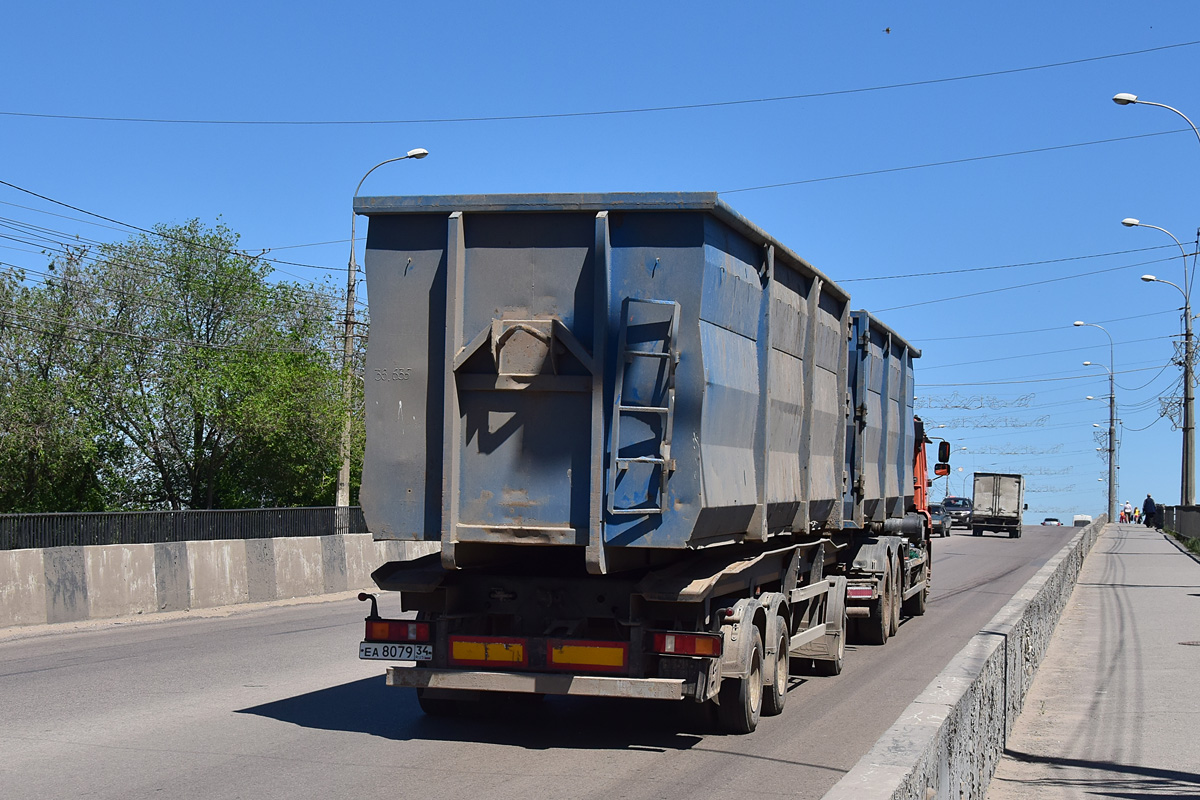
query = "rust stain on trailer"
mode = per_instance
[{"x": 517, "y": 498}]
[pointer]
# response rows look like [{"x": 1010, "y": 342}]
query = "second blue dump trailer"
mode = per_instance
[{"x": 657, "y": 452}]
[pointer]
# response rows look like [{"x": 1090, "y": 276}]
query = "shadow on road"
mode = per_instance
[{"x": 369, "y": 706}]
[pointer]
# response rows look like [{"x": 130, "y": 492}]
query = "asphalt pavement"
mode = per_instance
[
  {"x": 1115, "y": 707},
  {"x": 272, "y": 702}
]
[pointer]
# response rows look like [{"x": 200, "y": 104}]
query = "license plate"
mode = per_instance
[{"x": 387, "y": 651}]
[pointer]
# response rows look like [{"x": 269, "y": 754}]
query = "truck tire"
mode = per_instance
[
  {"x": 915, "y": 605},
  {"x": 976, "y": 531},
  {"x": 775, "y": 696},
  {"x": 897, "y": 597},
  {"x": 1014, "y": 533},
  {"x": 741, "y": 699},
  {"x": 875, "y": 628}
]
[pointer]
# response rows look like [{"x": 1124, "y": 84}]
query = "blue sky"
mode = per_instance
[{"x": 1011, "y": 356}]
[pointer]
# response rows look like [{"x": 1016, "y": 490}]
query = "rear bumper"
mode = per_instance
[{"x": 537, "y": 683}]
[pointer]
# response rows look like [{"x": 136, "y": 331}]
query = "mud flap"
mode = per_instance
[{"x": 827, "y": 647}]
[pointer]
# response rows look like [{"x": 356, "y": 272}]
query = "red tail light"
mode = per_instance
[
  {"x": 388, "y": 630},
  {"x": 687, "y": 644}
]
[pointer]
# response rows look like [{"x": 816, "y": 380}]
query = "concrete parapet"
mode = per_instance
[
  {"x": 120, "y": 579},
  {"x": 217, "y": 573},
  {"x": 260, "y": 570},
  {"x": 948, "y": 742},
  {"x": 22, "y": 587},
  {"x": 172, "y": 584},
  {"x": 361, "y": 558},
  {"x": 299, "y": 566},
  {"x": 68, "y": 584}
]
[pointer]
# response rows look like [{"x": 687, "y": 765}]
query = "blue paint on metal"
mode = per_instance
[{"x": 487, "y": 434}]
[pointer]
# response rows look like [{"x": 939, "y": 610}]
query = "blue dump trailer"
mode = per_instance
[{"x": 660, "y": 455}]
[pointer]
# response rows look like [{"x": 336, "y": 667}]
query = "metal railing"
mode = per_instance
[
  {"x": 20, "y": 531},
  {"x": 1183, "y": 520}
]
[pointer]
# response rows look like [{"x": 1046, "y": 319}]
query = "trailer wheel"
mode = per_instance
[
  {"x": 977, "y": 531},
  {"x": 915, "y": 605},
  {"x": 775, "y": 696},
  {"x": 741, "y": 699},
  {"x": 897, "y": 598},
  {"x": 875, "y": 628},
  {"x": 1014, "y": 533}
]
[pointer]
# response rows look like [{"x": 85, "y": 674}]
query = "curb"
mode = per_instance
[
  {"x": 949, "y": 740},
  {"x": 1180, "y": 545}
]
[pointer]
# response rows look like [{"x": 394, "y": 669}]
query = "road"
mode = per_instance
[{"x": 273, "y": 703}]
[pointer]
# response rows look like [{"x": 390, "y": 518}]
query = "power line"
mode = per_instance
[
  {"x": 1001, "y": 266},
  {"x": 160, "y": 234},
  {"x": 925, "y": 368},
  {"x": 78, "y": 326},
  {"x": 950, "y": 162},
  {"x": 608, "y": 112},
  {"x": 1025, "y": 285},
  {"x": 40, "y": 232},
  {"x": 124, "y": 230},
  {"x": 941, "y": 338},
  {"x": 1035, "y": 380}
]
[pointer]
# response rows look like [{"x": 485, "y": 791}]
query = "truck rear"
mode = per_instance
[
  {"x": 998, "y": 503},
  {"x": 659, "y": 455}
]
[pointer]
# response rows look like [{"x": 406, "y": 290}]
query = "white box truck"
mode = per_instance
[{"x": 998, "y": 503}]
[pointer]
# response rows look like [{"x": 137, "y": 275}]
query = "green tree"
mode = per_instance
[
  {"x": 55, "y": 453},
  {"x": 217, "y": 378},
  {"x": 167, "y": 371}
]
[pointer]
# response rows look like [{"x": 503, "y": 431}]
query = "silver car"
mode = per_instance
[{"x": 959, "y": 510}]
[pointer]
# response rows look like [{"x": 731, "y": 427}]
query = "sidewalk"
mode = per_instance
[{"x": 1114, "y": 710}]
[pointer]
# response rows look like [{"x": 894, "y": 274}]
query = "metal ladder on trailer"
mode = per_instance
[{"x": 624, "y": 407}]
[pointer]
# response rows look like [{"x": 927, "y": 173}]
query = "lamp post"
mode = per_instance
[
  {"x": 1112, "y": 419},
  {"x": 1187, "y": 489},
  {"x": 343, "y": 480},
  {"x": 1127, "y": 99}
]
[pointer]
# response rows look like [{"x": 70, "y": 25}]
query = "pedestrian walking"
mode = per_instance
[
  {"x": 1127, "y": 512},
  {"x": 1137, "y": 515},
  {"x": 1149, "y": 511}
]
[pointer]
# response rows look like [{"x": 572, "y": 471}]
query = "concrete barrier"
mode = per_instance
[
  {"x": 947, "y": 743},
  {"x": 68, "y": 584}
]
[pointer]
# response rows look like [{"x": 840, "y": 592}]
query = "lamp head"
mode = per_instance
[
  {"x": 1130, "y": 222},
  {"x": 1149, "y": 278},
  {"x": 1079, "y": 322},
  {"x": 1087, "y": 363},
  {"x": 1089, "y": 397},
  {"x": 1124, "y": 99},
  {"x": 419, "y": 152}
]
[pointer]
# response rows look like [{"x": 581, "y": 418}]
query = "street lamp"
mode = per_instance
[
  {"x": 343, "y": 481},
  {"x": 1187, "y": 480},
  {"x": 1112, "y": 418},
  {"x": 1127, "y": 99},
  {"x": 1188, "y": 489}
]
